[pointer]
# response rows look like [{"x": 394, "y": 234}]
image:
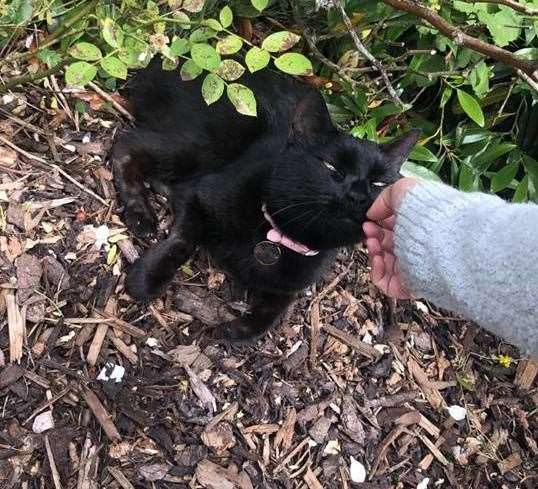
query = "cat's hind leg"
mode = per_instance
[
  {"x": 267, "y": 308},
  {"x": 131, "y": 164}
]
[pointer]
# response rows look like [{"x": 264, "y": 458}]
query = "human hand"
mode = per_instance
[{"x": 379, "y": 231}]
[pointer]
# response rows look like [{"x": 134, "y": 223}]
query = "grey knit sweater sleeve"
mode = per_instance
[{"x": 473, "y": 254}]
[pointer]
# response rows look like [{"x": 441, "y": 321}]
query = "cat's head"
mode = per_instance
[{"x": 320, "y": 197}]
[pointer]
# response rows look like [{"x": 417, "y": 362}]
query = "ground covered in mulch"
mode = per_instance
[{"x": 99, "y": 391}]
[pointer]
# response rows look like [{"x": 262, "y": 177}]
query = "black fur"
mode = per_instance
[{"x": 219, "y": 167}]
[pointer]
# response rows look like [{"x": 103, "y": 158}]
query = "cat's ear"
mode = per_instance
[
  {"x": 310, "y": 118},
  {"x": 397, "y": 151}
]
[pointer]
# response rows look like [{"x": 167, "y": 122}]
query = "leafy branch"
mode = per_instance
[
  {"x": 364, "y": 51},
  {"x": 463, "y": 39}
]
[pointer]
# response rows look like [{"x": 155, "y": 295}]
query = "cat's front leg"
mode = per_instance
[
  {"x": 130, "y": 165},
  {"x": 266, "y": 310},
  {"x": 149, "y": 276}
]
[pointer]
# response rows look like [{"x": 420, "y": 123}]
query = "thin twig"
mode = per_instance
[
  {"x": 367, "y": 54},
  {"x": 66, "y": 175},
  {"x": 532, "y": 83},
  {"x": 32, "y": 77},
  {"x": 462, "y": 39},
  {"x": 108, "y": 98}
]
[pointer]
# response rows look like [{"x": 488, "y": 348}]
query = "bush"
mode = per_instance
[{"x": 462, "y": 71}]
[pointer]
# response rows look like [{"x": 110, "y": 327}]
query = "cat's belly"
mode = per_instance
[{"x": 291, "y": 272}]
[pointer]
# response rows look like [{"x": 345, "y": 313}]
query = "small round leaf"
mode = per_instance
[
  {"x": 182, "y": 19},
  {"x": 230, "y": 70},
  {"x": 212, "y": 88},
  {"x": 202, "y": 34},
  {"x": 80, "y": 73},
  {"x": 205, "y": 56},
  {"x": 259, "y": 4},
  {"x": 280, "y": 41},
  {"x": 242, "y": 98},
  {"x": 257, "y": 59},
  {"x": 85, "y": 51},
  {"x": 226, "y": 17},
  {"x": 112, "y": 33},
  {"x": 294, "y": 64},
  {"x": 193, "y": 5},
  {"x": 189, "y": 70},
  {"x": 213, "y": 24},
  {"x": 229, "y": 45},
  {"x": 179, "y": 46},
  {"x": 114, "y": 67}
]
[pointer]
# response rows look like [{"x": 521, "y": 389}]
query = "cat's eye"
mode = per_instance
[
  {"x": 329, "y": 166},
  {"x": 379, "y": 184}
]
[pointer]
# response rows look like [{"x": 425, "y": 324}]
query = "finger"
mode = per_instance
[
  {"x": 381, "y": 208},
  {"x": 388, "y": 223},
  {"x": 395, "y": 289},
  {"x": 378, "y": 270},
  {"x": 372, "y": 230},
  {"x": 387, "y": 243},
  {"x": 374, "y": 247}
]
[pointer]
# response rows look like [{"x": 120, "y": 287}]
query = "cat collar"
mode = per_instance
[{"x": 275, "y": 235}]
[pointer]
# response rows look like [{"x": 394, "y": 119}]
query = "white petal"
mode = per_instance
[
  {"x": 423, "y": 484},
  {"x": 43, "y": 422},
  {"x": 357, "y": 471},
  {"x": 457, "y": 412}
]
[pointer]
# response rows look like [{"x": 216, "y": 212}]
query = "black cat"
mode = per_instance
[{"x": 271, "y": 197}]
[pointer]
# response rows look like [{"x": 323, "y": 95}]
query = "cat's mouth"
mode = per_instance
[{"x": 275, "y": 235}]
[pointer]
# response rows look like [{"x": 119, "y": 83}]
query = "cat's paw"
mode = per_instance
[
  {"x": 139, "y": 286},
  {"x": 140, "y": 220},
  {"x": 236, "y": 331}
]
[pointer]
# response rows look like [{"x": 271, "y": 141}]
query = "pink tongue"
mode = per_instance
[{"x": 277, "y": 237}]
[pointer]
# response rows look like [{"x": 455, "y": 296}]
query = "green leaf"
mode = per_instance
[
  {"x": 182, "y": 19},
  {"x": 528, "y": 54},
  {"x": 242, "y": 98},
  {"x": 471, "y": 107},
  {"x": 421, "y": 153},
  {"x": 479, "y": 78},
  {"x": 213, "y": 24},
  {"x": 80, "y": 73},
  {"x": 503, "y": 178},
  {"x": 193, "y": 5},
  {"x": 504, "y": 25},
  {"x": 280, "y": 41},
  {"x": 257, "y": 59},
  {"x": 522, "y": 191},
  {"x": 410, "y": 169},
  {"x": 85, "y": 51},
  {"x": 189, "y": 70},
  {"x": 226, "y": 17},
  {"x": 179, "y": 46},
  {"x": 202, "y": 34},
  {"x": 447, "y": 93},
  {"x": 466, "y": 178},
  {"x": 230, "y": 70},
  {"x": 112, "y": 33},
  {"x": 229, "y": 45},
  {"x": 49, "y": 57},
  {"x": 482, "y": 161},
  {"x": 212, "y": 88},
  {"x": 205, "y": 56},
  {"x": 20, "y": 11},
  {"x": 259, "y": 4},
  {"x": 294, "y": 64},
  {"x": 114, "y": 67}
]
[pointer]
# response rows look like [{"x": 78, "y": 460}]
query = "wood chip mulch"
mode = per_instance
[{"x": 97, "y": 391}]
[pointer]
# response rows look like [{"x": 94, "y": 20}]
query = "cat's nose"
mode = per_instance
[{"x": 357, "y": 200}]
